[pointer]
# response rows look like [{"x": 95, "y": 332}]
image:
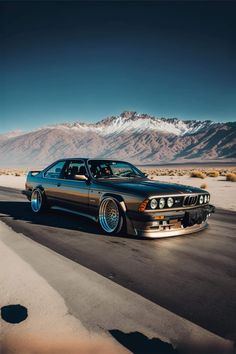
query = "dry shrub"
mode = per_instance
[
  {"x": 213, "y": 174},
  {"x": 223, "y": 172},
  {"x": 203, "y": 186},
  {"x": 197, "y": 174},
  {"x": 231, "y": 177}
]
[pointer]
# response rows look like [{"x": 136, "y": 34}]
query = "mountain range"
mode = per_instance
[{"x": 138, "y": 138}]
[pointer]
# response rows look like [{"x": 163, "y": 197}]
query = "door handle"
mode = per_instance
[{"x": 58, "y": 184}]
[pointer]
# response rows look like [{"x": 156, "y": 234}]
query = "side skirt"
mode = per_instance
[{"x": 75, "y": 212}]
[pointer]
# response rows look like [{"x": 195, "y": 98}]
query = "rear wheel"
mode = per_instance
[
  {"x": 38, "y": 201},
  {"x": 111, "y": 217}
]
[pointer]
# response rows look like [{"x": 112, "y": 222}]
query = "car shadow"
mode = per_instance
[
  {"x": 138, "y": 343},
  {"x": 18, "y": 210},
  {"x": 52, "y": 218}
]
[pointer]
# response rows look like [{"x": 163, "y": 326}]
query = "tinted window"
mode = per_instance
[
  {"x": 55, "y": 170},
  {"x": 75, "y": 168}
]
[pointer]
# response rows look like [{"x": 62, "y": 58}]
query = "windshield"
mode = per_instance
[{"x": 113, "y": 169}]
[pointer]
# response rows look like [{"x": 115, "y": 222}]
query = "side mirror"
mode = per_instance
[{"x": 81, "y": 177}]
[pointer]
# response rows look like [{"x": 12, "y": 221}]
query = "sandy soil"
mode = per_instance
[
  {"x": 49, "y": 328},
  {"x": 12, "y": 181}
]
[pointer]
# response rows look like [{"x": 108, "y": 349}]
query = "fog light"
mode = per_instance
[
  {"x": 155, "y": 223},
  {"x": 159, "y": 217}
]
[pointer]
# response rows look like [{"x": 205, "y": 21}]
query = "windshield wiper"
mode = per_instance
[{"x": 132, "y": 175}]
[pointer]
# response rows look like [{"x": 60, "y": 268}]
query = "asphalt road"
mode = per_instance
[{"x": 192, "y": 276}]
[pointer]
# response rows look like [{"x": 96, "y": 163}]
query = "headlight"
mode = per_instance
[
  {"x": 170, "y": 202},
  {"x": 205, "y": 198},
  {"x": 201, "y": 199},
  {"x": 153, "y": 204},
  {"x": 161, "y": 203}
]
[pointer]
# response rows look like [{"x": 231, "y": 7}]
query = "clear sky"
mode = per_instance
[{"x": 67, "y": 61}]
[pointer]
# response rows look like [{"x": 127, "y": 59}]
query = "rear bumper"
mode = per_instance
[
  {"x": 27, "y": 193},
  {"x": 171, "y": 223}
]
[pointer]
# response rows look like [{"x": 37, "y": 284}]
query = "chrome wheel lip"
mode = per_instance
[
  {"x": 36, "y": 201},
  {"x": 109, "y": 216}
]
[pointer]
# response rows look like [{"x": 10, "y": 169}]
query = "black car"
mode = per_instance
[{"x": 119, "y": 197}]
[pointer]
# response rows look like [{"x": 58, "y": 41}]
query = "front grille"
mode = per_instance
[{"x": 190, "y": 200}]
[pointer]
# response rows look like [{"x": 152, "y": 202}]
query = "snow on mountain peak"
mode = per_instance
[
  {"x": 11, "y": 134},
  {"x": 131, "y": 121}
]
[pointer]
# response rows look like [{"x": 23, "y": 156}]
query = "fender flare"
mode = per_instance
[
  {"x": 40, "y": 187},
  {"x": 117, "y": 197}
]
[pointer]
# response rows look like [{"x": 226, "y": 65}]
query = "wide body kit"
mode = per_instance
[{"x": 120, "y": 199}]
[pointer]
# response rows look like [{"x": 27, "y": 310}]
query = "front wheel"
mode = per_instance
[
  {"x": 111, "y": 218},
  {"x": 38, "y": 201}
]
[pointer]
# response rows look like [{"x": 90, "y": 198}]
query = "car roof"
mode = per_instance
[{"x": 87, "y": 158}]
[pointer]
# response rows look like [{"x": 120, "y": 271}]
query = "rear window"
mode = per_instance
[{"x": 55, "y": 170}]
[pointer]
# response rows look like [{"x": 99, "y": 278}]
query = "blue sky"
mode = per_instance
[{"x": 68, "y": 61}]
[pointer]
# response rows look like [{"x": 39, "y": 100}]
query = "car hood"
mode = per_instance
[{"x": 148, "y": 187}]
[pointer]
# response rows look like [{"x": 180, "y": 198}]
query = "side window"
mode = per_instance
[
  {"x": 55, "y": 170},
  {"x": 75, "y": 168}
]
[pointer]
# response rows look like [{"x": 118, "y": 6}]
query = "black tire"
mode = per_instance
[
  {"x": 111, "y": 217},
  {"x": 38, "y": 201}
]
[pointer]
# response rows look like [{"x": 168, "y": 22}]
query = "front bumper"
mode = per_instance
[{"x": 168, "y": 224}]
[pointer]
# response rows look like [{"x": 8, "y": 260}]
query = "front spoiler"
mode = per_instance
[
  {"x": 170, "y": 233},
  {"x": 173, "y": 223}
]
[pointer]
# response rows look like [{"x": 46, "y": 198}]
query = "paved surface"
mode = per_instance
[
  {"x": 192, "y": 276},
  {"x": 51, "y": 286}
]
